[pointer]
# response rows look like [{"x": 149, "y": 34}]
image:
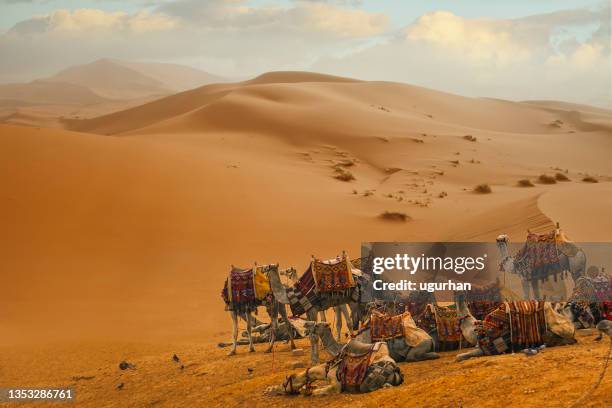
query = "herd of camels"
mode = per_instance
[{"x": 382, "y": 332}]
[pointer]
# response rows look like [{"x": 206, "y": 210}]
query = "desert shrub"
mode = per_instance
[
  {"x": 470, "y": 138},
  {"x": 525, "y": 183},
  {"x": 483, "y": 189},
  {"x": 344, "y": 175},
  {"x": 546, "y": 179},
  {"x": 561, "y": 177},
  {"x": 590, "y": 179},
  {"x": 394, "y": 216}
]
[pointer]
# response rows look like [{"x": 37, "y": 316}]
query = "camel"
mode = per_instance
[
  {"x": 575, "y": 265},
  {"x": 261, "y": 332},
  {"x": 273, "y": 307},
  {"x": 318, "y": 304},
  {"x": 579, "y": 314},
  {"x": 559, "y": 329},
  {"x": 381, "y": 371},
  {"x": 416, "y": 346}
]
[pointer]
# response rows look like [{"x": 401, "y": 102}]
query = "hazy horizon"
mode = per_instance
[{"x": 520, "y": 51}]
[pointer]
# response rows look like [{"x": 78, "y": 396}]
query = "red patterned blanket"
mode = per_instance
[{"x": 332, "y": 276}]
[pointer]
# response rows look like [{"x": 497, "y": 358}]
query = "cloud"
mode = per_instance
[
  {"x": 227, "y": 34},
  {"x": 563, "y": 55}
]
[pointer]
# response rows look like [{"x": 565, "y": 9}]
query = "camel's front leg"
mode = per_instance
[
  {"x": 283, "y": 312},
  {"x": 338, "y": 312},
  {"x": 273, "y": 325},
  {"x": 249, "y": 332},
  {"x": 476, "y": 352},
  {"x": 314, "y": 339},
  {"x": 333, "y": 386},
  {"x": 536, "y": 289},
  {"x": 234, "y": 333},
  {"x": 347, "y": 318},
  {"x": 526, "y": 286}
]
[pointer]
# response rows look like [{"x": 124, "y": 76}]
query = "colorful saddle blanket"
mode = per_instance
[
  {"x": 364, "y": 264},
  {"x": 352, "y": 369},
  {"x": 239, "y": 291},
  {"x": 302, "y": 295},
  {"x": 261, "y": 282},
  {"x": 513, "y": 325},
  {"x": 538, "y": 258},
  {"x": 385, "y": 327},
  {"x": 447, "y": 323},
  {"x": 332, "y": 276},
  {"x": 483, "y": 300}
]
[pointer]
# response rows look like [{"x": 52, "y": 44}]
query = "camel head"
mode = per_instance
[
  {"x": 317, "y": 328},
  {"x": 507, "y": 264}
]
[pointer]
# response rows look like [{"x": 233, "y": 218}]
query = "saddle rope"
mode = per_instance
[{"x": 580, "y": 400}]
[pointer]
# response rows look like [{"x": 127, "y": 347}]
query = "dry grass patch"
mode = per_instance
[
  {"x": 344, "y": 175},
  {"x": 546, "y": 179},
  {"x": 470, "y": 138},
  {"x": 525, "y": 183},
  {"x": 483, "y": 189},
  {"x": 394, "y": 216},
  {"x": 561, "y": 177},
  {"x": 590, "y": 179}
]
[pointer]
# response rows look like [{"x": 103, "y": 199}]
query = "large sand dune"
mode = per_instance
[{"x": 123, "y": 230}]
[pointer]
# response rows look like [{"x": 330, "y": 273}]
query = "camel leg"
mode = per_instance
[
  {"x": 476, "y": 352},
  {"x": 283, "y": 312},
  {"x": 273, "y": 325},
  {"x": 234, "y": 333},
  {"x": 314, "y": 339},
  {"x": 347, "y": 318},
  {"x": 333, "y": 386},
  {"x": 323, "y": 317},
  {"x": 536, "y": 289},
  {"x": 338, "y": 312},
  {"x": 526, "y": 291},
  {"x": 421, "y": 352},
  {"x": 249, "y": 332}
]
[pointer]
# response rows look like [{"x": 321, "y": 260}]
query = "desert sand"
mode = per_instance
[{"x": 119, "y": 230}]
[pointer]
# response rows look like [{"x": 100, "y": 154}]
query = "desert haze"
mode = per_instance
[{"x": 118, "y": 230}]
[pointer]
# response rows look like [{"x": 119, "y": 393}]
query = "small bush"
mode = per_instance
[
  {"x": 483, "y": 189},
  {"x": 561, "y": 177},
  {"x": 590, "y": 179},
  {"x": 525, "y": 183},
  {"x": 470, "y": 138},
  {"x": 394, "y": 216},
  {"x": 546, "y": 179},
  {"x": 344, "y": 175}
]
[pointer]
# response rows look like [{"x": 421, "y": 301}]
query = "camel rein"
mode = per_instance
[{"x": 580, "y": 400}]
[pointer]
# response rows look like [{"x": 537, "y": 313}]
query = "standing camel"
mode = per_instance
[
  {"x": 324, "y": 285},
  {"x": 244, "y": 291},
  {"x": 573, "y": 260}
]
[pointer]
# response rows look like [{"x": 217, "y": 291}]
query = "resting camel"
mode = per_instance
[
  {"x": 319, "y": 304},
  {"x": 273, "y": 308},
  {"x": 559, "y": 329},
  {"x": 382, "y": 371},
  {"x": 416, "y": 346}
]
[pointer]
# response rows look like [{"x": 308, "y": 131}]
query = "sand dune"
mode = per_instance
[{"x": 139, "y": 230}]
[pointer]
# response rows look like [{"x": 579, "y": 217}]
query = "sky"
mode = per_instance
[{"x": 520, "y": 49}]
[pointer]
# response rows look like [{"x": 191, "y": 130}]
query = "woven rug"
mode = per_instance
[
  {"x": 385, "y": 327},
  {"x": 332, "y": 276},
  {"x": 496, "y": 335},
  {"x": 239, "y": 291},
  {"x": 302, "y": 295},
  {"x": 538, "y": 259},
  {"x": 493, "y": 332},
  {"x": 352, "y": 370},
  {"x": 528, "y": 323},
  {"x": 447, "y": 323}
]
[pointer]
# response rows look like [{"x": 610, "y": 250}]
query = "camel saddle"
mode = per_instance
[
  {"x": 353, "y": 362},
  {"x": 239, "y": 291},
  {"x": 333, "y": 276},
  {"x": 385, "y": 327}
]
